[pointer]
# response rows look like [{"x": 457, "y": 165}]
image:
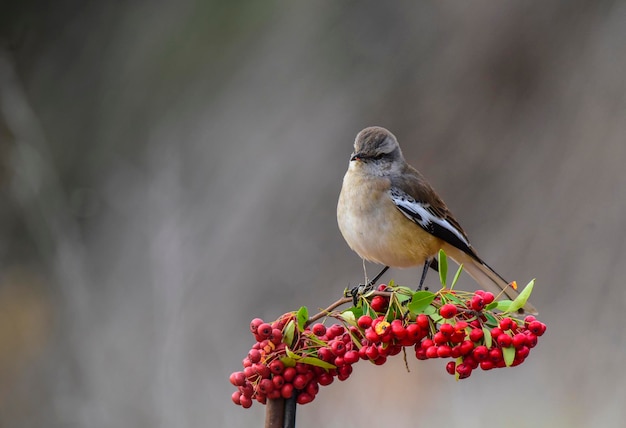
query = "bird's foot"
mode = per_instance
[{"x": 359, "y": 290}]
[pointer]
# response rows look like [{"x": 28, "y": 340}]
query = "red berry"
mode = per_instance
[
  {"x": 278, "y": 381},
  {"x": 414, "y": 332},
  {"x": 266, "y": 386},
  {"x": 495, "y": 355},
  {"x": 427, "y": 343},
  {"x": 537, "y": 328},
  {"x": 519, "y": 340},
  {"x": 379, "y": 304},
  {"x": 378, "y": 361},
  {"x": 439, "y": 338},
  {"x": 529, "y": 319},
  {"x": 466, "y": 347},
  {"x": 364, "y": 321},
  {"x": 262, "y": 370},
  {"x": 277, "y": 367},
  {"x": 522, "y": 352},
  {"x": 504, "y": 340},
  {"x": 276, "y": 336},
  {"x": 264, "y": 330},
  {"x": 304, "y": 398},
  {"x": 495, "y": 332},
  {"x": 506, "y": 324},
  {"x": 300, "y": 381},
  {"x": 476, "y": 335},
  {"x": 325, "y": 354},
  {"x": 325, "y": 379},
  {"x": 451, "y": 367},
  {"x": 245, "y": 402},
  {"x": 238, "y": 379},
  {"x": 397, "y": 329},
  {"x": 531, "y": 339},
  {"x": 448, "y": 311},
  {"x": 236, "y": 397},
  {"x": 246, "y": 390},
  {"x": 344, "y": 372},
  {"x": 423, "y": 321},
  {"x": 480, "y": 353},
  {"x": 470, "y": 361},
  {"x": 447, "y": 330},
  {"x": 458, "y": 336},
  {"x": 488, "y": 297},
  {"x": 254, "y": 355},
  {"x": 287, "y": 390},
  {"x": 432, "y": 352},
  {"x": 477, "y": 303},
  {"x": 443, "y": 351},
  {"x": 312, "y": 388},
  {"x": 372, "y": 352},
  {"x": 249, "y": 372},
  {"x": 351, "y": 357},
  {"x": 254, "y": 325},
  {"x": 464, "y": 370},
  {"x": 486, "y": 365},
  {"x": 289, "y": 374},
  {"x": 334, "y": 331},
  {"x": 338, "y": 347},
  {"x": 318, "y": 329},
  {"x": 455, "y": 352},
  {"x": 420, "y": 354}
]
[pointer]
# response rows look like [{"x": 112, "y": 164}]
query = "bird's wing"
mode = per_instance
[{"x": 416, "y": 199}]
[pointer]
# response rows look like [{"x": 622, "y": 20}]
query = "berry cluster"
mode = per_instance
[
  {"x": 291, "y": 357},
  {"x": 273, "y": 370}
]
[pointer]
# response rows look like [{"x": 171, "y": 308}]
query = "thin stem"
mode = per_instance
[{"x": 343, "y": 301}]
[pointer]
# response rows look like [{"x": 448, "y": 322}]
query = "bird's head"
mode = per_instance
[{"x": 377, "y": 152}]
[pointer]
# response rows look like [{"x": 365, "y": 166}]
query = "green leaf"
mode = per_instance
[
  {"x": 491, "y": 306},
  {"x": 443, "y": 267},
  {"x": 288, "y": 362},
  {"x": 509, "y": 355},
  {"x": 435, "y": 317},
  {"x": 456, "y": 364},
  {"x": 403, "y": 294},
  {"x": 420, "y": 301},
  {"x": 521, "y": 300},
  {"x": 292, "y": 354},
  {"x": 302, "y": 316},
  {"x": 391, "y": 283},
  {"x": 455, "y": 299},
  {"x": 317, "y": 362},
  {"x": 357, "y": 311},
  {"x": 289, "y": 332},
  {"x": 503, "y": 305},
  {"x": 430, "y": 310},
  {"x": 457, "y": 275},
  {"x": 487, "y": 337},
  {"x": 349, "y": 317},
  {"x": 491, "y": 320}
]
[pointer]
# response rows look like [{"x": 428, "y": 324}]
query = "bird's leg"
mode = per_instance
[
  {"x": 427, "y": 264},
  {"x": 434, "y": 265},
  {"x": 355, "y": 292}
]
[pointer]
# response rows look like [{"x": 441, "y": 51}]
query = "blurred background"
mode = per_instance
[{"x": 170, "y": 170}]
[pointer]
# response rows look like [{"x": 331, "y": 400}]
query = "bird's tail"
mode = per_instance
[{"x": 485, "y": 276}]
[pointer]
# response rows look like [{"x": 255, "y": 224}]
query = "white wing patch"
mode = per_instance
[{"x": 421, "y": 213}]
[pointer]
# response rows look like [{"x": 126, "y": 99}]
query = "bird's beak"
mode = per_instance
[{"x": 355, "y": 157}]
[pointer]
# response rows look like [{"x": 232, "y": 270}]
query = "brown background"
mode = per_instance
[{"x": 170, "y": 171}]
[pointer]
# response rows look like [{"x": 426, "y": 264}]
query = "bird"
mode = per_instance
[{"x": 389, "y": 214}]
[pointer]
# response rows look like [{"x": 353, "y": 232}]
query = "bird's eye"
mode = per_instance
[{"x": 379, "y": 156}]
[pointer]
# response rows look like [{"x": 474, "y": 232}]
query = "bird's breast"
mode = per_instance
[{"x": 375, "y": 229}]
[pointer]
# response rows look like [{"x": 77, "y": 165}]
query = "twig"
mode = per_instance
[{"x": 343, "y": 301}]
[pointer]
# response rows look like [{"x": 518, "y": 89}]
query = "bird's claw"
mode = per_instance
[{"x": 359, "y": 290}]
